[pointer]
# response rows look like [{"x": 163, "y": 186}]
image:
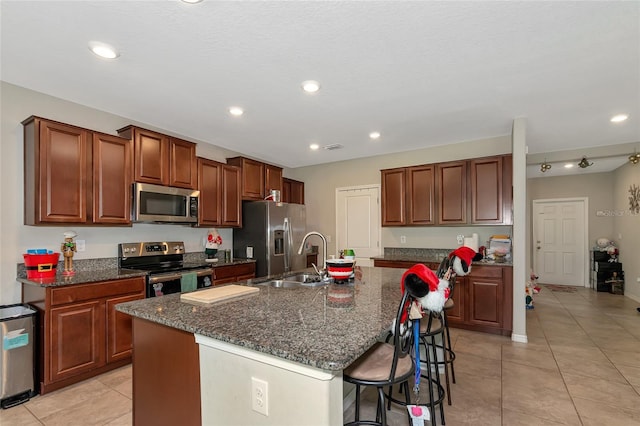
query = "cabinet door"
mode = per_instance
[
  {"x": 119, "y": 328},
  {"x": 231, "y": 199},
  {"x": 183, "y": 170},
  {"x": 486, "y": 190},
  {"x": 421, "y": 201},
  {"x": 451, "y": 182},
  {"x": 455, "y": 315},
  {"x": 209, "y": 203},
  {"x": 507, "y": 190},
  {"x": 393, "y": 197},
  {"x": 151, "y": 157},
  {"x": 77, "y": 339},
  {"x": 57, "y": 159},
  {"x": 112, "y": 178},
  {"x": 286, "y": 190},
  {"x": 252, "y": 177},
  {"x": 297, "y": 192},
  {"x": 486, "y": 299},
  {"x": 272, "y": 178}
]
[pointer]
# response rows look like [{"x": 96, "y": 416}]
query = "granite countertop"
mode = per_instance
[
  {"x": 87, "y": 275},
  {"x": 326, "y": 327}
]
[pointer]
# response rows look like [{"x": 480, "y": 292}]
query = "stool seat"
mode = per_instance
[
  {"x": 449, "y": 304},
  {"x": 375, "y": 365}
]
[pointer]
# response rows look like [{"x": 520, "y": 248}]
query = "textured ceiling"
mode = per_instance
[{"x": 421, "y": 73}]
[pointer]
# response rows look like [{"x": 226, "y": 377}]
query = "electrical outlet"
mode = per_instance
[
  {"x": 638, "y": 279},
  {"x": 403, "y": 239},
  {"x": 260, "y": 396},
  {"x": 460, "y": 239},
  {"x": 80, "y": 245}
]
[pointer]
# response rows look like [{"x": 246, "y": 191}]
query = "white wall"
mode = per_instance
[
  {"x": 17, "y": 104},
  {"x": 626, "y": 228}
]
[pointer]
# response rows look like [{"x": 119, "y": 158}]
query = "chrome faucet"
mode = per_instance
[{"x": 323, "y": 271}]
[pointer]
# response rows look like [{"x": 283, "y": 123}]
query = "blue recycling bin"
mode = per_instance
[{"x": 17, "y": 368}]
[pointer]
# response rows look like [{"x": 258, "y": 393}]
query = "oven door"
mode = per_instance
[{"x": 162, "y": 284}]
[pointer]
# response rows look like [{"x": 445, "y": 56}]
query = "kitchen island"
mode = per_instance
[{"x": 297, "y": 340}]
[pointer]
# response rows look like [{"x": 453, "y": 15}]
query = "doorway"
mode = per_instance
[
  {"x": 560, "y": 241},
  {"x": 358, "y": 222}
]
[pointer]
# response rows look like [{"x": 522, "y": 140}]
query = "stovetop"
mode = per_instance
[{"x": 155, "y": 257}]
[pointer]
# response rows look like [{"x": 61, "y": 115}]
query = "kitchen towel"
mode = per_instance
[{"x": 189, "y": 282}]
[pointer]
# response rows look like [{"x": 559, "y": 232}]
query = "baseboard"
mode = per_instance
[
  {"x": 637, "y": 299},
  {"x": 520, "y": 338}
]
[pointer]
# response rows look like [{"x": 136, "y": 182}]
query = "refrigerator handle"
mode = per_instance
[{"x": 288, "y": 244}]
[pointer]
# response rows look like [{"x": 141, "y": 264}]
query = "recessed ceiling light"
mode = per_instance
[
  {"x": 568, "y": 165},
  {"x": 619, "y": 118},
  {"x": 192, "y": 1},
  {"x": 103, "y": 50},
  {"x": 374, "y": 135},
  {"x": 314, "y": 146},
  {"x": 310, "y": 86},
  {"x": 236, "y": 111}
]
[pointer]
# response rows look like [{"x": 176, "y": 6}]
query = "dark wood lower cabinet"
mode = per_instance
[
  {"x": 233, "y": 273},
  {"x": 166, "y": 376},
  {"x": 81, "y": 335},
  {"x": 483, "y": 300}
]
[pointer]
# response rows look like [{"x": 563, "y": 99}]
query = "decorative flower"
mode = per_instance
[{"x": 214, "y": 240}]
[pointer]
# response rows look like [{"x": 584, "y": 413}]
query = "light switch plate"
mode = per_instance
[{"x": 80, "y": 245}]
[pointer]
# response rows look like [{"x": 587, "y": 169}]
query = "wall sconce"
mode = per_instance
[
  {"x": 634, "y": 158},
  {"x": 583, "y": 164},
  {"x": 545, "y": 166}
]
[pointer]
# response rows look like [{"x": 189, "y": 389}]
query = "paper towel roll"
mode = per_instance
[{"x": 472, "y": 242}]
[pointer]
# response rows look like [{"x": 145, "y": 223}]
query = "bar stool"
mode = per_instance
[
  {"x": 384, "y": 365},
  {"x": 449, "y": 354}
]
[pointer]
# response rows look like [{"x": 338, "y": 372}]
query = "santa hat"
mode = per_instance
[
  {"x": 423, "y": 284},
  {"x": 461, "y": 259}
]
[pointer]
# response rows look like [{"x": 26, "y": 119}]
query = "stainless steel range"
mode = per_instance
[{"x": 164, "y": 261}]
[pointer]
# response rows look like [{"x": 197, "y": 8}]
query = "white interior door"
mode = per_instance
[
  {"x": 559, "y": 241},
  {"x": 358, "y": 222}
]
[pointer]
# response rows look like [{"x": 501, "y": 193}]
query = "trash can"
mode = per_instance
[{"x": 17, "y": 334}]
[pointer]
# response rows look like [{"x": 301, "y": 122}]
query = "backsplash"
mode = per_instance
[{"x": 426, "y": 253}]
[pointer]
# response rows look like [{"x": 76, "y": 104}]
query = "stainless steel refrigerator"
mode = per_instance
[{"x": 273, "y": 233}]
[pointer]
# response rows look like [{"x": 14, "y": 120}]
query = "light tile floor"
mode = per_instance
[{"x": 580, "y": 367}]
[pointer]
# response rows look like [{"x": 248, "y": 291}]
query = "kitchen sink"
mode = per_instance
[{"x": 299, "y": 280}]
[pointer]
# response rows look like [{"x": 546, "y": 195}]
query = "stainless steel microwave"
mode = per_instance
[{"x": 156, "y": 203}]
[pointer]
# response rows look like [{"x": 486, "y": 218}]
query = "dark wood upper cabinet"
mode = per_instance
[
  {"x": 162, "y": 160},
  {"x": 220, "y": 200},
  {"x": 421, "y": 197},
  {"x": 451, "y": 181},
  {"x": 184, "y": 170},
  {"x": 57, "y": 158},
  {"x": 112, "y": 178},
  {"x": 252, "y": 177},
  {"x": 486, "y": 190},
  {"x": 272, "y": 179},
  {"x": 477, "y": 191},
  {"x": 292, "y": 191},
  {"x": 393, "y": 197}
]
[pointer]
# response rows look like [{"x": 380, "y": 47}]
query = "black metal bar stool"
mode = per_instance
[
  {"x": 448, "y": 354},
  {"x": 384, "y": 365}
]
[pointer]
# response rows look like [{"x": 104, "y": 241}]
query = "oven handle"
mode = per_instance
[{"x": 177, "y": 276}]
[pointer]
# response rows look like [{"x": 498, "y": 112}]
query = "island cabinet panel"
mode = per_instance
[
  {"x": 57, "y": 158},
  {"x": 166, "y": 376},
  {"x": 112, "y": 178},
  {"x": 458, "y": 296},
  {"x": 272, "y": 178},
  {"x": 80, "y": 333},
  {"x": 183, "y": 171},
  {"x": 77, "y": 335},
  {"x": 393, "y": 197},
  {"x": 252, "y": 177},
  {"x": 220, "y": 200},
  {"x": 451, "y": 180},
  {"x": 292, "y": 191},
  {"x": 233, "y": 273},
  {"x": 421, "y": 198}
]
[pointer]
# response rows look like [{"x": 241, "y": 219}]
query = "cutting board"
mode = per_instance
[{"x": 218, "y": 294}]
